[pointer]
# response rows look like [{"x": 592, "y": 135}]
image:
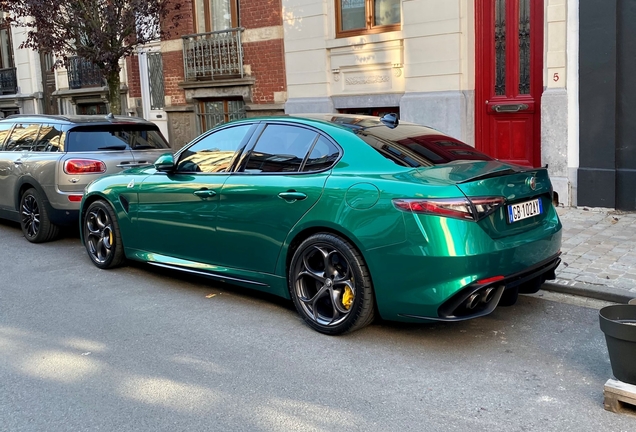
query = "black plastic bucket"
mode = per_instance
[{"x": 619, "y": 325}]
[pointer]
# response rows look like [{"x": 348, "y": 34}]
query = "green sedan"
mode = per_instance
[{"x": 348, "y": 216}]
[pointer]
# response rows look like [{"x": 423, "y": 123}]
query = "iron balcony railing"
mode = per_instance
[
  {"x": 213, "y": 55},
  {"x": 8, "y": 81},
  {"x": 83, "y": 73}
]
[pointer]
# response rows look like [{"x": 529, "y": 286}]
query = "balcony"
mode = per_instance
[
  {"x": 8, "y": 81},
  {"x": 213, "y": 56},
  {"x": 82, "y": 74}
]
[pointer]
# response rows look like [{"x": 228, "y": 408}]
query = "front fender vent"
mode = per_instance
[{"x": 124, "y": 203}]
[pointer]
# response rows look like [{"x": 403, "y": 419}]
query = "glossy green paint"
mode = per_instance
[
  {"x": 257, "y": 213},
  {"x": 165, "y": 162},
  {"x": 245, "y": 233},
  {"x": 176, "y": 215}
]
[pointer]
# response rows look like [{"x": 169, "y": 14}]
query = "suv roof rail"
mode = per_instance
[{"x": 78, "y": 118}]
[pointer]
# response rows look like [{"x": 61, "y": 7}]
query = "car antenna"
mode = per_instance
[
  {"x": 110, "y": 116},
  {"x": 390, "y": 120}
]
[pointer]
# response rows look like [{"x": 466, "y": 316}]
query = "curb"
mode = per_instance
[{"x": 598, "y": 292}]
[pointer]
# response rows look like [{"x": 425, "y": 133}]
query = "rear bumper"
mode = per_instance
[
  {"x": 454, "y": 310},
  {"x": 443, "y": 258},
  {"x": 63, "y": 217}
]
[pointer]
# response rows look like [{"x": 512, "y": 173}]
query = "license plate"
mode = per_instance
[{"x": 524, "y": 210}]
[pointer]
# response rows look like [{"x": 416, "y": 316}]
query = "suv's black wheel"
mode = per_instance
[
  {"x": 330, "y": 285},
  {"x": 34, "y": 219},
  {"x": 102, "y": 237}
]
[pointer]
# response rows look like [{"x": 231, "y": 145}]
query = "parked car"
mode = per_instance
[
  {"x": 348, "y": 216},
  {"x": 46, "y": 162}
]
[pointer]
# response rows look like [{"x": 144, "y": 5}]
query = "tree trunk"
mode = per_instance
[{"x": 114, "y": 97}]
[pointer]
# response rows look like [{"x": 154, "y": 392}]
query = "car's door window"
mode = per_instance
[
  {"x": 22, "y": 137},
  {"x": 322, "y": 156},
  {"x": 214, "y": 153},
  {"x": 280, "y": 148},
  {"x": 4, "y": 131},
  {"x": 49, "y": 140}
]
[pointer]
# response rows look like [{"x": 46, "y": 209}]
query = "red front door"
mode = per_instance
[{"x": 509, "y": 79}]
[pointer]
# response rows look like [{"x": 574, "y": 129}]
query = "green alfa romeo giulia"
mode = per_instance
[{"x": 349, "y": 216}]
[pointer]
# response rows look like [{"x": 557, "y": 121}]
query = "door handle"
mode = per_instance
[
  {"x": 292, "y": 196},
  {"x": 17, "y": 162},
  {"x": 508, "y": 108},
  {"x": 205, "y": 193}
]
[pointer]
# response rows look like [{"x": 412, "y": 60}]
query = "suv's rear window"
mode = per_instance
[{"x": 114, "y": 137}]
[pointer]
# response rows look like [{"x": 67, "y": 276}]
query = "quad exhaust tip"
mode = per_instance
[
  {"x": 480, "y": 297},
  {"x": 473, "y": 300},
  {"x": 488, "y": 294}
]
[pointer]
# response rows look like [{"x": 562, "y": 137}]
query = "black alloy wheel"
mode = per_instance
[
  {"x": 102, "y": 237},
  {"x": 330, "y": 285},
  {"x": 34, "y": 219}
]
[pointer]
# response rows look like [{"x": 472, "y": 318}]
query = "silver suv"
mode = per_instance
[{"x": 47, "y": 161}]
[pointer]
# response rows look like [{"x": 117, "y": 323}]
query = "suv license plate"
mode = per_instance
[{"x": 524, "y": 210}]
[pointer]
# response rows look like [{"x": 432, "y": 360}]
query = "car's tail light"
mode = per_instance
[
  {"x": 484, "y": 206},
  {"x": 459, "y": 208},
  {"x": 84, "y": 166},
  {"x": 75, "y": 198}
]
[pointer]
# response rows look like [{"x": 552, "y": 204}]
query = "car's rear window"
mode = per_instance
[
  {"x": 114, "y": 137},
  {"x": 412, "y": 145}
]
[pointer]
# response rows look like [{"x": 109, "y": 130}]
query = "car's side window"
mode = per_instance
[
  {"x": 280, "y": 148},
  {"x": 49, "y": 140},
  {"x": 22, "y": 137},
  {"x": 4, "y": 131},
  {"x": 214, "y": 153},
  {"x": 322, "y": 156},
  {"x": 147, "y": 139}
]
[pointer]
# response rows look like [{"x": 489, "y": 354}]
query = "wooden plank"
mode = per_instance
[{"x": 620, "y": 397}]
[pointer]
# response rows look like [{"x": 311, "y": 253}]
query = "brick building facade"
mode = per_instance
[{"x": 224, "y": 61}]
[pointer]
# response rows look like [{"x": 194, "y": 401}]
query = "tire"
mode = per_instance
[
  {"x": 34, "y": 218},
  {"x": 509, "y": 297},
  {"x": 102, "y": 237},
  {"x": 330, "y": 285}
]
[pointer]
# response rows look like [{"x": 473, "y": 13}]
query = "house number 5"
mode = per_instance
[{"x": 556, "y": 77}]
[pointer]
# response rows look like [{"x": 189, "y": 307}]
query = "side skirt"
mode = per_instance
[{"x": 260, "y": 281}]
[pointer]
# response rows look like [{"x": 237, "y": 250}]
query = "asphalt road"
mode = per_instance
[{"x": 83, "y": 349}]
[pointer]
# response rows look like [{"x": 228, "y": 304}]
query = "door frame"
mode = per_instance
[
  {"x": 485, "y": 69},
  {"x": 157, "y": 116}
]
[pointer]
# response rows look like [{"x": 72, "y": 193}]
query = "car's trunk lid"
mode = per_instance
[{"x": 485, "y": 179}]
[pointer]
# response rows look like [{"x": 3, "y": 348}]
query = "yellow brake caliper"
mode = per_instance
[
  {"x": 347, "y": 298},
  {"x": 110, "y": 237}
]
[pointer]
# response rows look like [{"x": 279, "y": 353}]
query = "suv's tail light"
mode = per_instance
[
  {"x": 84, "y": 166},
  {"x": 459, "y": 208}
]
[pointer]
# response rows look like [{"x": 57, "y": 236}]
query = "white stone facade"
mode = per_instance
[{"x": 28, "y": 98}]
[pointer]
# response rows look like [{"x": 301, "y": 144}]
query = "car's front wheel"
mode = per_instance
[
  {"x": 34, "y": 219},
  {"x": 330, "y": 285},
  {"x": 102, "y": 237}
]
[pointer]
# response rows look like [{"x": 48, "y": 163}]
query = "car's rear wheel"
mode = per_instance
[
  {"x": 102, "y": 237},
  {"x": 34, "y": 219},
  {"x": 330, "y": 285}
]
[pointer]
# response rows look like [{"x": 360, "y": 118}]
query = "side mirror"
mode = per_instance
[{"x": 165, "y": 163}]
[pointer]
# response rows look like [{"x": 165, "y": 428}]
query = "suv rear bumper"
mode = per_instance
[{"x": 62, "y": 217}]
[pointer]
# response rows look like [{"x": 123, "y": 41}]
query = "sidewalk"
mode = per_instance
[{"x": 599, "y": 254}]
